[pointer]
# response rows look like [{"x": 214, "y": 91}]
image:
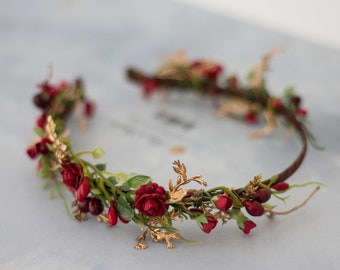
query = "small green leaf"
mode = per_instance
[
  {"x": 44, "y": 171},
  {"x": 237, "y": 215},
  {"x": 121, "y": 177},
  {"x": 135, "y": 180},
  {"x": 101, "y": 166},
  {"x": 66, "y": 140},
  {"x": 96, "y": 191},
  {"x": 288, "y": 92},
  {"x": 124, "y": 208},
  {"x": 202, "y": 219},
  {"x": 98, "y": 152},
  {"x": 40, "y": 132},
  {"x": 112, "y": 180}
]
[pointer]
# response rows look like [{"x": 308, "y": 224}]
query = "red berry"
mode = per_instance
[
  {"x": 262, "y": 195},
  {"x": 254, "y": 208},
  {"x": 42, "y": 100},
  {"x": 84, "y": 205},
  {"x": 296, "y": 100},
  {"x": 96, "y": 206},
  {"x": 280, "y": 186}
]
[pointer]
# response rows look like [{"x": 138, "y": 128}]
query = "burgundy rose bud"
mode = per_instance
[
  {"x": 301, "y": 112},
  {"x": 281, "y": 186},
  {"x": 254, "y": 208},
  {"x": 208, "y": 227},
  {"x": 262, "y": 195},
  {"x": 41, "y": 121},
  {"x": 123, "y": 220},
  {"x": 112, "y": 214},
  {"x": 150, "y": 200},
  {"x": 89, "y": 108},
  {"x": 83, "y": 206},
  {"x": 32, "y": 151},
  {"x": 251, "y": 118},
  {"x": 71, "y": 174},
  {"x": 42, "y": 147},
  {"x": 212, "y": 72},
  {"x": 248, "y": 225},
  {"x": 277, "y": 104},
  {"x": 83, "y": 189},
  {"x": 96, "y": 206},
  {"x": 223, "y": 202},
  {"x": 149, "y": 86}
]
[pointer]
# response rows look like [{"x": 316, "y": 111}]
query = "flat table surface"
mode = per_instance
[{"x": 98, "y": 41}]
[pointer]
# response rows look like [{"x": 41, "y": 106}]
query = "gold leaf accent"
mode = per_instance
[
  {"x": 262, "y": 66},
  {"x": 176, "y": 193},
  {"x": 59, "y": 147},
  {"x": 158, "y": 236}
]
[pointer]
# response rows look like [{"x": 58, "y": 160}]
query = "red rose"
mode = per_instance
[
  {"x": 207, "y": 227},
  {"x": 150, "y": 200},
  {"x": 223, "y": 202},
  {"x": 248, "y": 226},
  {"x": 83, "y": 190},
  {"x": 71, "y": 174}
]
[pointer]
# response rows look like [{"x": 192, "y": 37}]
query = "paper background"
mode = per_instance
[{"x": 98, "y": 41}]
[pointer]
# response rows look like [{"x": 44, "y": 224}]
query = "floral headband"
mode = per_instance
[{"x": 113, "y": 197}]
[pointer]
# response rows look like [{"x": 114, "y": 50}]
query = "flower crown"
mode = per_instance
[{"x": 133, "y": 197}]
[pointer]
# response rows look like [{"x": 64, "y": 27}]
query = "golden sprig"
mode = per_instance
[
  {"x": 176, "y": 193},
  {"x": 59, "y": 147},
  {"x": 253, "y": 186}
]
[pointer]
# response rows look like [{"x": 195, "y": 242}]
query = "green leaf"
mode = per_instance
[
  {"x": 40, "y": 132},
  {"x": 98, "y": 152},
  {"x": 96, "y": 191},
  {"x": 237, "y": 215},
  {"x": 202, "y": 219},
  {"x": 101, "y": 166},
  {"x": 135, "y": 180},
  {"x": 112, "y": 180},
  {"x": 44, "y": 171},
  {"x": 288, "y": 92},
  {"x": 124, "y": 208},
  {"x": 65, "y": 140},
  {"x": 121, "y": 177}
]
